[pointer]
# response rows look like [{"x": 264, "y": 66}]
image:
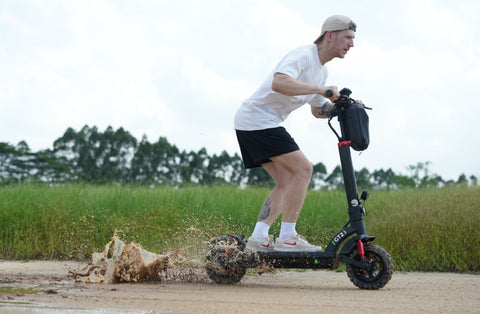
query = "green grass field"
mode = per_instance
[{"x": 423, "y": 230}]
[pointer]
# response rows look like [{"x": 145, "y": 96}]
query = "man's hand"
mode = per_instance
[{"x": 335, "y": 94}]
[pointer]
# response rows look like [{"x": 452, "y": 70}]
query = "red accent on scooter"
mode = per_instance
[
  {"x": 361, "y": 252},
  {"x": 344, "y": 143}
]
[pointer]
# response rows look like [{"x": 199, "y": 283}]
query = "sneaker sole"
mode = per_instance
[
  {"x": 260, "y": 249},
  {"x": 292, "y": 249}
]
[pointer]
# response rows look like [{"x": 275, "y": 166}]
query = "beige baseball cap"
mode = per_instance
[{"x": 337, "y": 23}]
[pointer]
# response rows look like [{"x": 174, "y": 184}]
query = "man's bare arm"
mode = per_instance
[
  {"x": 287, "y": 85},
  {"x": 323, "y": 112}
]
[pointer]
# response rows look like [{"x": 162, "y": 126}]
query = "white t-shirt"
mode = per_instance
[{"x": 266, "y": 108}]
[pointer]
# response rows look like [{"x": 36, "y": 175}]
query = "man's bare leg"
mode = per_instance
[{"x": 292, "y": 173}]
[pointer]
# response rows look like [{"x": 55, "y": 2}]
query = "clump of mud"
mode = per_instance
[{"x": 121, "y": 262}]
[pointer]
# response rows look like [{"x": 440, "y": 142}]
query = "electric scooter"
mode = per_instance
[{"x": 368, "y": 265}]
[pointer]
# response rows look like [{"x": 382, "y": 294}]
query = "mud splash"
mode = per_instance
[{"x": 121, "y": 262}]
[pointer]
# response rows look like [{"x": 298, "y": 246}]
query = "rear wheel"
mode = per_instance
[
  {"x": 223, "y": 263},
  {"x": 379, "y": 272}
]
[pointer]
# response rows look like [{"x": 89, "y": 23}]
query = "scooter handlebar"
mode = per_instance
[
  {"x": 343, "y": 100},
  {"x": 345, "y": 92}
]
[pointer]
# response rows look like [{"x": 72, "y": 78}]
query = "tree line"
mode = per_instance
[{"x": 115, "y": 156}]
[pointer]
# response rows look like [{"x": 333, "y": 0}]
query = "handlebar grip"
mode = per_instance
[{"x": 329, "y": 93}]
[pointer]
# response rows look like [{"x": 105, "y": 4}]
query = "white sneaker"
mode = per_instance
[
  {"x": 264, "y": 246},
  {"x": 296, "y": 243}
]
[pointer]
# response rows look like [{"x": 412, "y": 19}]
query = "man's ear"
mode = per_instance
[{"x": 330, "y": 36}]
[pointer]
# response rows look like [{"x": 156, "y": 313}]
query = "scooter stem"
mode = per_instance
[
  {"x": 348, "y": 173},
  {"x": 355, "y": 211}
]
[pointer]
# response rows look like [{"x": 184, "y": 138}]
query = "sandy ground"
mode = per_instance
[{"x": 47, "y": 287}]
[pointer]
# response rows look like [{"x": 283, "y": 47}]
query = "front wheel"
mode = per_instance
[{"x": 379, "y": 271}]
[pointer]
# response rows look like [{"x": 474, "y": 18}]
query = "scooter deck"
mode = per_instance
[{"x": 304, "y": 260}]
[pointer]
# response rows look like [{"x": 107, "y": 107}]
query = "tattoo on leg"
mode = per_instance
[{"x": 266, "y": 208}]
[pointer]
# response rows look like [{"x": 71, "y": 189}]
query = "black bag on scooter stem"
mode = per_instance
[{"x": 355, "y": 123}]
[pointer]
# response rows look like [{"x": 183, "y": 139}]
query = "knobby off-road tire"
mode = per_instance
[
  {"x": 222, "y": 265},
  {"x": 379, "y": 275}
]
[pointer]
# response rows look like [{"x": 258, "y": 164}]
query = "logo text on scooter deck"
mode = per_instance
[{"x": 339, "y": 237}]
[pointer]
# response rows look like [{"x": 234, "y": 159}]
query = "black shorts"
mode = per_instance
[{"x": 258, "y": 147}]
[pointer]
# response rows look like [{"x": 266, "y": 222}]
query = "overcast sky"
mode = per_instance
[{"x": 180, "y": 69}]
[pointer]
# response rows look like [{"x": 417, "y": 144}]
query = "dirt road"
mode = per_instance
[{"x": 47, "y": 287}]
